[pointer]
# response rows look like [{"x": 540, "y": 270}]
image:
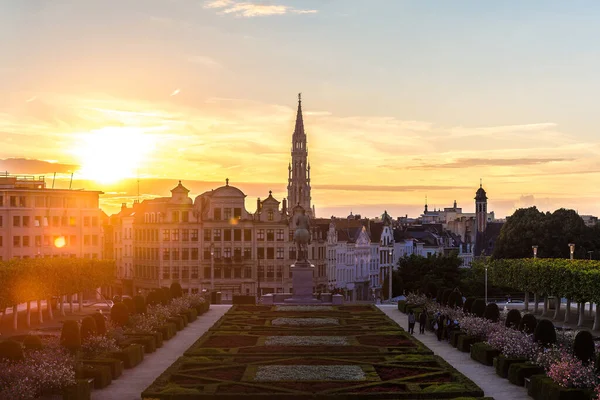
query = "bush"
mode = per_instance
[
  {"x": 545, "y": 334},
  {"x": 484, "y": 353},
  {"x": 154, "y": 297},
  {"x": 129, "y": 303},
  {"x": 176, "y": 291},
  {"x": 402, "y": 305},
  {"x": 166, "y": 297},
  {"x": 100, "y": 323},
  {"x": 513, "y": 319},
  {"x": 445, "y": 296},
  {"x": 468, "y": 304},
  {"x": 439, "y": 295},
  {"x": 455, "y": 300},
  {"x": 492, "y": 312},
  {"x": 478, "y": 308},
  {"x": 88, "y": 328},
  {"x": 11, "y": 351},
  {"x": 33, "y": 342},
  {"x": 119, "y": 314},
  {"x": 70, "y": 337},
  {"x": 528, "y": 323},
  {"x": 517, "y": 372},
  {"x": 431, "y": 289},
  {"x": 583, "y": 347},
  {"x": 140, "y": 304}
]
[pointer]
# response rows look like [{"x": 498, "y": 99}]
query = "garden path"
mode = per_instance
[
  {"x": 485, "y": 377},
  {"x": 132, "y": 383}
]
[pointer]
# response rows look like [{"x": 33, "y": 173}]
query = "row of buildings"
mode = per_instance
[{"x": 211, "y": 242}]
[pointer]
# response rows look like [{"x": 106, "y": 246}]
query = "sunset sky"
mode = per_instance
[{"x": 401, "y": 99}]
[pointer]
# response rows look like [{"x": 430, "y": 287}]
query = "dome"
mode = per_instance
[{"x": 480, "y": 195}]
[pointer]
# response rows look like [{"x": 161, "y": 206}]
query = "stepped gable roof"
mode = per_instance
[
  {"x": 486, "y": 241},
  {"x": 376, "y": 229}
]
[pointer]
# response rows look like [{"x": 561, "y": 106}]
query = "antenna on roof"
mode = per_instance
[
  {"x": 53, "y": 180},
  {"x": 71, "y": 181}
]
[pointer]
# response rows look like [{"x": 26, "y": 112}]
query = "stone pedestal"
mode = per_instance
[
  {"x": 337, "y": 300},
  {"x": 302, "y": 282}
]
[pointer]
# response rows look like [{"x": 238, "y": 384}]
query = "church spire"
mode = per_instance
[
  {"x": 299, "y": 130},
  {"x": 299, "y": 174}
]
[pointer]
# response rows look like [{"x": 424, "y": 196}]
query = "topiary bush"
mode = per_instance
[
  {"x": 431, "y": 289},
  {"x": 119, "y": 314},
  {"x": 468, "y": 304},
  {"x": 478, "y": 307},
  {"x": 445, "y": 296},
  {"x": 11, "y": 351},
  {"x": 583, "y": 347},
  {"x": 70, "y": 337},
  {"x": 100, "y": 323},
  {"x": 33, "y": 342},
  {"x": 545, "y": 333},
  {"x": 528, "y": 323},
  {"x": 513, "y": 319},
  {"x": 166, "y": 299},
  {"x": 455, "y": 300},
  {"x": 176, "y": 290},
  {"x": 140, "y": 304},
  {"x": 88, "y": 328},
  {"x": 439, "y": 295},
  {"x": 129, "y": 304},
  {"x": 154, "y": 298},
  {"x": 492, "y": 312}
]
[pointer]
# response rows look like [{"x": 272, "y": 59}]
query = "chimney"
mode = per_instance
[
  {"x": 284, "y": 206},
  {"x": 258, "y": 205},
  {"x": 123, "y": 206}
]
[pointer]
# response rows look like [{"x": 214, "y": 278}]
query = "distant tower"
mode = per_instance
[
  {"x": 299, "y": 169},
  {"x": 481, "y": 208},
  {"x": 425, "y": 211}
]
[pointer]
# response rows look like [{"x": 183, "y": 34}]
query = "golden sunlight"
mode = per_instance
[
  {"x": 60, "y": 242},
  {"x": 112, "y": 153}
]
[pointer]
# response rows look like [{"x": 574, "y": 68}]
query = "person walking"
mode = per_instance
[
  {"x": 440, "y": 327},
  {"x": 411, "y": 322},
  {"x": 422, "y": 321}
]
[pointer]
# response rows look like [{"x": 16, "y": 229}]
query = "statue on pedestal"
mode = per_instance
[{"x": 302, "y": 233}]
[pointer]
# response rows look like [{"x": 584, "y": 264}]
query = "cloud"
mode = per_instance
[
  {"x": 249, "y": 9},
  {"x": 175, "y": 92},
  {"x": 29, "y": 166},
  {"x": 490, "y": 162},
  {"x": 387, "y": 188},
  {"x": 204, "y": 61}
]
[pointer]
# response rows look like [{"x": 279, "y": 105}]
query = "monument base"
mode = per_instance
[{"x": 302, "y": 282}]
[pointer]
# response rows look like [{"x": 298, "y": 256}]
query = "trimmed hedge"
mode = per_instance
[
  {"x": 239, "y": 299},
  {"x": 454, "y": 335},
  {"x": 478, "y": 308},
  {"x": 131, "y": 355},
  {"x": 545, "y": 333},
  {"x": 484, "y": 353},
  {"x": 115, "y": 365},
  {"x": 503, "y": 363},
  {"x": 517, "y": 372},
  {"x": 401, "y": 306},
  {"x": 528, "y": 323},
  {"x": 468, "y": 304},
  {"x": 492, "y": 312},
  {"x": 101, "y": 374},
  {"x": 465, "y": 341},
  {"x": 82, "y": 390},
  {"x": 544, "y": 388}
]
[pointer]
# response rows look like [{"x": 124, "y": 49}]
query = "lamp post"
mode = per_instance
[
  {"x": 486, "y": 299},
  {"x": 572, "y": 249},
  {"x": 568, "y": 306},
  {"x": 258, "y": 271},
  {"x": 535, "y": 295},
  {"x": 590, "y": 254},
  {"x": 212, "y": 268},
  {"x": 534, "y": 248},
  {"x": 391, "y": 260}
]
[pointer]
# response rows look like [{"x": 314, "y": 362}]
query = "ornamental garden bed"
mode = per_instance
[{"x": 301, "y": 359}]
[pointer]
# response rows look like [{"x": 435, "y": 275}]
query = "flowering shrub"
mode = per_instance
[
  {"x": 180, "y": 305},
  {"x": 115, "y": 332},
  {"x": 512, "y": 343},
  {"x": 144, "y": 323},
  {"x": 97, "y": 345},
  {"x": 415, "y": 298},
  {"x": 566, "y": 338},
  {"x": 570, "y": 372},
  {"x": 195, "y": 299},
  {"x": 161, "y": 313},
  {"x": 479, "y": 327},
  {"x": 545, "y": 358}
]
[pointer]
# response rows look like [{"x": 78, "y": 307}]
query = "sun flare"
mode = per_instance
[{"x": 110, "y": 154}]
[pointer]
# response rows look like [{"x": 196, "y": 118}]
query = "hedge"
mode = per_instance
[
  {"x": 517, "y": 372},
  {"x": 503, "y": 363},
  {"x": 484, "y": 353}
]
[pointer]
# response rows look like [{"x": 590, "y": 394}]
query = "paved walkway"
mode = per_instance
[
  {"x": 130, "y": 385},
  {"x": 485, "y": 377}
]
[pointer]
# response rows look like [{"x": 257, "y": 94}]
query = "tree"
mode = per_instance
[{"x": 416, "y": 272}]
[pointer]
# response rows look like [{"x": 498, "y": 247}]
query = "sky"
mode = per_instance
[{"x": 402, "y": 100}]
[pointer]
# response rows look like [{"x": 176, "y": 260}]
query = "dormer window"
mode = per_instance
[
  {"x": 270, "y": 215},
  {"x": 227, "y": 214}
]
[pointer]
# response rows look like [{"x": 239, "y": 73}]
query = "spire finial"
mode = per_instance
[
  {"x": 300, "y": 97},
  {"x": 480, "y": 182},
  {"x": 270, "y": 192},
  {"x": 226, "y": 181}
]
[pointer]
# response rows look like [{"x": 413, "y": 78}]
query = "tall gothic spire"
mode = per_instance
[
  {"x": 299, "y": 130},
  {"x": 299, "y": 174}
]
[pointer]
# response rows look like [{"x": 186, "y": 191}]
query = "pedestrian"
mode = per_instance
[
  {"x": 411, "y": 322},
  {"x": 422, "y": 321},
  {"x": 440, "y": 327}
]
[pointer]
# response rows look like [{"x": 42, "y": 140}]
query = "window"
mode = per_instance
[
  {"x": 0, "y": 221},
  {"x": 1, "y": 244},
  {"x": 270, "y": 271},
  {"x": 194, "y": 253},
  {"x": 270, "y": 235},
  {"x": 166, "y": 254},
  {"x": 292, "y": 253},
  {"x": 185, "y": 235},
  {"x": 25, "y": 241},
  {"x": 72, "y": 221},
  {"x": 185, "y": 272},
  {"x": 56, "y": 220},
  {"x": 227, "y": 273},
  {"x": 206, "y": 254},
  {"x": 279, "y": 271},
  {"x": 207, "y": 235},
  {"x": 1, "y": 201},
  {"x": 227, "y": 252},
  {"x": 270, "y": 253},
  {"x": 194, "y": 272},
  {"x": 247, "y": 253},
  {"x": 194, "y": 235},
  {"x": 247, "y": 272},
  {"x": 237, "y": 254},
  {"x": 64, "y": 221},
  {"x": 86, "y": 221},
  {"x": 260, "y": 235},
  {"x": 270, "y": 215},
  {"x": 185, "y": 254},
  {"x": 237, "y": 213},
  {"x": 227, "y": 214},
  {"x": 46, "y": 240},
  {"x": 279, "y": 236},
  {"x": 175, "y": 235},
  {"x": 237, "y": 273},
  {"x": 175, "y": 216},
  {"x": 291, "y": 235},
  {"x": 94, "y": 221},
  {"x": 26, "y": 221},
  {"x": 185, "y": 216},
  {"x": 166, "y": 272},
  {"x": 227, "y": 235},
  {"x": 22, "y": 201},
  {"x": 86, "y": 240},
  {"x": 247, "y": 235},
  {"x": 217, "y": 235},
  {"x": 40, "y": 201},
  {"x": 166, "y": 235},
  {"x": 261, "y": 253},
  {"x": 237, "y": 235},
  {"x": 217, "y": 214},
  {"x": 280, "y": 253},
  {"x": 94, "y": 240},
  {"x": 175, "y": 254},
  {"x": 175, "y": 272},
  {"x": 16, "y": 241},
  {"x": 217, "y": 271},
  {"x": 13, "y": 201},
  {"x": 38, "y": 241},
  {"x": 16, "y": 221}
]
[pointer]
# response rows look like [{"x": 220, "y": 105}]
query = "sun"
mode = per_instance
[{"x": 110, "y": 154}]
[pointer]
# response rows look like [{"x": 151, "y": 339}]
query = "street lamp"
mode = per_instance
[
  {"x": 534, "y": 248},
  {"x": 590, "y": 254},
  {"x": 258, "y": 273},
  {"x": 212, "y": 267},
  {"x": 572, "y": 249},
  {"x": 486, "y": 267},
  {"x": 391, "y": 260}
]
